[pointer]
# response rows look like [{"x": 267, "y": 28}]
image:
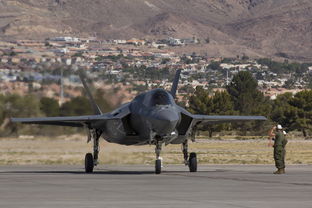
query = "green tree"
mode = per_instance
[
  {"x": 101, "y": 101},
  {"x": 18, "y": 106},
  {"x": 303, "y": 102},
  {"x": 219, "y": 104},
  {"x": 283, "y": 113},
  {"x": 294, "y": 112},
  {"x": 200, "y": 101},
  {"x": 245, "y": 58},
  {"x": 245, "y": 94},
  {"x": 2, "y": 108},
  {"x": 76, "y": 107},
  {"x": 248, "y": 100},
  {"x": 49, "y": 106},
  {"x": 222, "y": 104},
  {"x": 215, "y": 65},
  {"x": 165, "y": 60}
]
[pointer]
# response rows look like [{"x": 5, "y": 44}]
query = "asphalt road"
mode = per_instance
[{"x": 138, "y": 187}]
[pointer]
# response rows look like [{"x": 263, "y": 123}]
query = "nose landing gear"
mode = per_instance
[{"x": 158, "y": 162}]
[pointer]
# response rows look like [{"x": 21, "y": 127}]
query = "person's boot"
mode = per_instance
[
  {"x": 279, "y": 171},
  {"x": 283, "y": 170}
]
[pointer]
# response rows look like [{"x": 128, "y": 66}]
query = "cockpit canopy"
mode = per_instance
[{"x": 157, "y": 97}]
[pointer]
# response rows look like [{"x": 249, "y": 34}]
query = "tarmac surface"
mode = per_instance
[{"x": 137, "y": 187}]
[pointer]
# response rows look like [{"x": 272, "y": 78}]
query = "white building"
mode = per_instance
[
  {"x": 175, "y": 42},
  {"x": 66, "y": 39}
]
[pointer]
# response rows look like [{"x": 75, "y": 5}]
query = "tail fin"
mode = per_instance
[
  {"x": 175, "y": 83},
  {"x": 95, "y": 107}
]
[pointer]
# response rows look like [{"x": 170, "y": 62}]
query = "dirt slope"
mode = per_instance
[{"x": 254, "y": 27}]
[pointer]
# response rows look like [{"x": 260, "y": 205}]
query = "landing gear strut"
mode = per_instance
[
  {"x": 158, "y": 162},
  {"x": 191, "y": 160},
  {"x": 185, "y": 152},
  {"x": 92, "y": 160}
]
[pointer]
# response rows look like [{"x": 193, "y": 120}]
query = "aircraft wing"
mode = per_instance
[
  {"x": 73, "y": 121},
  {"x": 205, "y": 119}
]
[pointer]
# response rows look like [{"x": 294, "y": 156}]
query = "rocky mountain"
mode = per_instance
[{"x": 255, "y": 27}]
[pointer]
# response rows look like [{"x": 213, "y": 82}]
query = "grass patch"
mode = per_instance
[{"x": 225, "y": 150}]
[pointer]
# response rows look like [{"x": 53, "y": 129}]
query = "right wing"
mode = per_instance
[
  {"x": 73, "y": 121},
  {"x": 93, "y": 121}
]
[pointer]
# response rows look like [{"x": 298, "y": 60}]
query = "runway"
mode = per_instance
[{"x": 133, "y": 186}]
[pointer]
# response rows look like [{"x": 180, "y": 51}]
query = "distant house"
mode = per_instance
[
  {"x": 175, "y": 42},
  {"x": 15, "y": 60},
  {"x": 136, "y": 42},
  {"x": 30, "y": 43},
  {"x": 274, "y": 92},
  {"x": 61, "y": 50},
  {"x": 67, "y": 61},
  {"x": 4, "y": 59},
  {"x": 192, "y": 40},
  {"x": 119, "y": 41},
  {"x": 159, "y": 45}
]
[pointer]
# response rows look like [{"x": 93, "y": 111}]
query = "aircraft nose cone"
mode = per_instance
[{"x": 164, "y": 122}]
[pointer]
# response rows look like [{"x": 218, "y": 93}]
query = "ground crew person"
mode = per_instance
[{"x": 279, "y": 150}]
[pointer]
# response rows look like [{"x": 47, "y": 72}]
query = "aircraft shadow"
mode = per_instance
[{"x": 108, "y": 172}]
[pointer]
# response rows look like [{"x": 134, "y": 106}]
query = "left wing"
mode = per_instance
[{"x": 205, "y": 119}]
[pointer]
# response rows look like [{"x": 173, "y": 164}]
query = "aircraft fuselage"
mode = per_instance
[{"x": 153, "y": 116}]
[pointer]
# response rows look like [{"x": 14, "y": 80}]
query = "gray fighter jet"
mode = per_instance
[{"x": 152, "y": 118}]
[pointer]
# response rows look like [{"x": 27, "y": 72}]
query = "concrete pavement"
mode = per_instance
[{"x": 138, "y": 186}]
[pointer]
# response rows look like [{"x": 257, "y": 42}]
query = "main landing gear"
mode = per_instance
[
  {"x": 91, "y": 160},
  {"x": 190, "y": 161}
]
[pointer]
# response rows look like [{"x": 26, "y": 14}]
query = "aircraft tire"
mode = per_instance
[
  {"x": 89, "y": 163},
  {"x": 193, "y": 162},
  {"x": 157, "y": 166}
]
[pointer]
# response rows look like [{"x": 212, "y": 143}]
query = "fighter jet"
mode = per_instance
[{"x": 151, "y": 118}]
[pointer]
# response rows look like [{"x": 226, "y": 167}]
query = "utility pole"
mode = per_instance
[
  {"x": 62, "y": 88},
  {"x": 227, "y": 77}
]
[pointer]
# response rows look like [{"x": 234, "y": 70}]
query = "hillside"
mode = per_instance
[{"x": 254, "y": 27}]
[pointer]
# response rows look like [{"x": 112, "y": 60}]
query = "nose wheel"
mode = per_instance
[{"x": 158, "y": 166}]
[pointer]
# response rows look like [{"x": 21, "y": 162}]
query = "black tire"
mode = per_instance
[
  {"x": 157, "y": 166},
  {"x": 89, "y": 163},
  {"x": 193, "y": 162}
]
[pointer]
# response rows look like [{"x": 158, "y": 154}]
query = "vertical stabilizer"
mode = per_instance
[
  {"x": 175, "y": 83},
  {"x": 95, "y": 107}
]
